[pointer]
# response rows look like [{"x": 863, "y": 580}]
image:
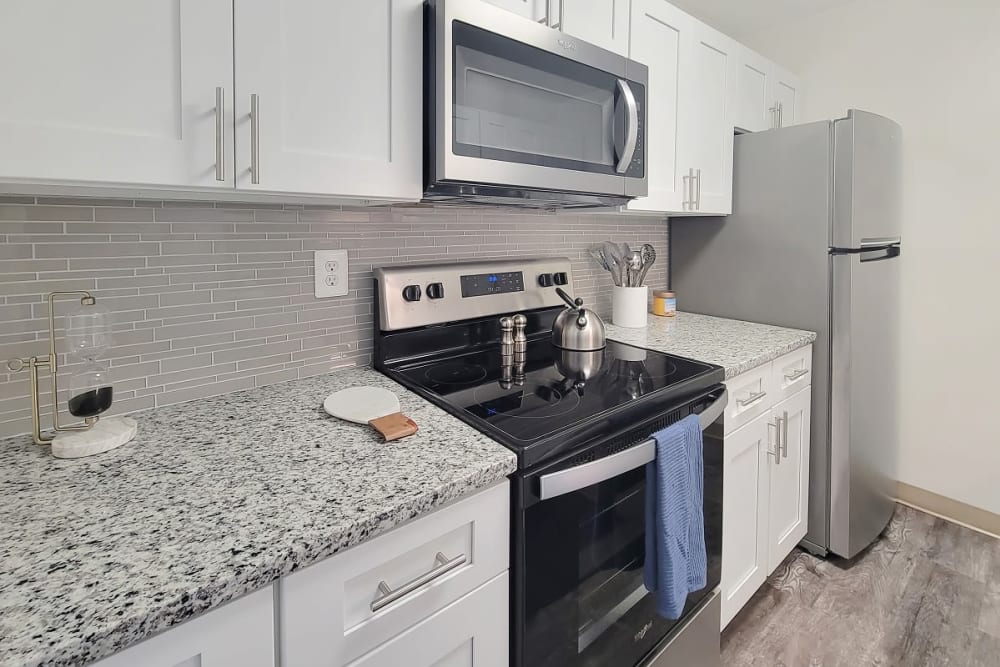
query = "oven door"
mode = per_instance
[
  {"x": 579, "y": 597},
  {"x": 518, "y": 104}
]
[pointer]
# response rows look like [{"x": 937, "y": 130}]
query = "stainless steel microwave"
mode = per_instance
[{"x": 519, "y": 114}]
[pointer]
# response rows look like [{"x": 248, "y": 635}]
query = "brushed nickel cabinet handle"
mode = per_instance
[
  {"x": 254, "y": 139},
  {"x": 442, "y": 566},
  {"x": 781, "y": 114},
  {"x": 774, "y": 115},
  {"x": 777, "y": 447},
  {"x": 684, "y": 204},
  {"x": 697, "y": 199},
  {"x": 754, "y": 397},
  {"x": 220, "y": 134},
  {"x": 795, "y": 375},
  {"x": 784, "y": 435}
]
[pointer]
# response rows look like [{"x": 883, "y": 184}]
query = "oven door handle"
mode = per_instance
[{"x": 581, "y": 476}]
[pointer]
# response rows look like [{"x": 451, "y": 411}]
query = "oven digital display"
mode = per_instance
[{"x": 482, "y": 284}]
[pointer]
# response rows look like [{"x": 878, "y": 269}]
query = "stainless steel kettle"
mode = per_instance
[{"x": 577, "y": 328}]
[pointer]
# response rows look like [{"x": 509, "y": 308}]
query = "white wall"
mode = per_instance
[{"x": 933, "y": 66}]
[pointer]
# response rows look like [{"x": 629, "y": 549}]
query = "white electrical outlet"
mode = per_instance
[{"x": 331, "y": 273}]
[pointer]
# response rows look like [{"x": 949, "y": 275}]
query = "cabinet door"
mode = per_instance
[
  {"x": 600, "y": 22},
  {"x": 660, "y": 39},
  {"x": 471, "y": 632},
  {"x": 239, "y": 634},
  {"x": 529, "y": 9},
  {"x": 752, "y": 92},
  {"x": 338, "y": 89},
  {"x": 789, "y": 497},
  {"x": 785, "y": 96},
  {"x": 706, "y": 121},
  {"x": 119, "y": 92},
  {"x": 744, "y": 513}
]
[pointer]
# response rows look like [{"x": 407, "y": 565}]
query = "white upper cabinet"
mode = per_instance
[
  {"x": 689, "y": 137},
  {"x": 601, "y": 22},
  {"x": 117, "y": 92},
  {"x": 753, "y": 98},
  {"x": 706, "y": 148},
  {"x": 785, "y": 96},
  {"x": 329, "y": 98},
  {"x": 660, "y": 39},
  {"x": 765, "y": 96}
]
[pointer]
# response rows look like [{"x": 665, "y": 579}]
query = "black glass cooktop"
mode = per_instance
[{"x": 555, "y": 395}]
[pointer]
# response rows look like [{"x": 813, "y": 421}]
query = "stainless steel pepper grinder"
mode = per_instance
[{"x": 520, "y": 347}]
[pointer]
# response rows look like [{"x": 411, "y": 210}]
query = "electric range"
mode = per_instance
[{"x": 581, "y": 432}]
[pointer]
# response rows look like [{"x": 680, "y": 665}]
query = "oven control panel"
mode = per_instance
[{"x": 415, "y": 295}]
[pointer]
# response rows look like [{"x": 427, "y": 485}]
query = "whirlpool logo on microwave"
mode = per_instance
[
  {"x": 642, "y": 631},
  {"x": 566, "y": 44}
]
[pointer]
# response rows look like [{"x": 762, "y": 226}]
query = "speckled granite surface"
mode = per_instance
[
  {"x": 736, "y": 346},
  {"x": 214, "y": 499}
]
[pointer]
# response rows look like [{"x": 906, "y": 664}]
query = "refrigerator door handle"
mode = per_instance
[{"x": 883, "y": 248}]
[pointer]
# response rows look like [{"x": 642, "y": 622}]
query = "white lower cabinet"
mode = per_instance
[
  {"x": 431, "y": 593},
  {"x": 765, "y": 474},
  {"x": 789, "y": 484},
  {"x": 471, "y": 632},
  {"x": 238, "y": 634},
  {"x": 744, "y": 514}
]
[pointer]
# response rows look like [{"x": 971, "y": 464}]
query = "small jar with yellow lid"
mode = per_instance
[{"x": 664, "y": 303}]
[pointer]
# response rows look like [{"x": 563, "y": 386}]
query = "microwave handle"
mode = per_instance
[
  {"x": 631, "y": 126},
  {"x": 581, "y": 476}
]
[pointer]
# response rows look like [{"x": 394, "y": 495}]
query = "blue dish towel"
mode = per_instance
[{"x": 676, "y": 563}]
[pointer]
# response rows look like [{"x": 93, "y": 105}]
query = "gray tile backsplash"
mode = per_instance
[{"x": 210, "y": 299}]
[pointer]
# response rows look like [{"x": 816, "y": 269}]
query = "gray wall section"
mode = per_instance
[{"x": 768, "y": 262}]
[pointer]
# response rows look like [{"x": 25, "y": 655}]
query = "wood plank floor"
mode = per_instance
[{"x": 926, "y": 594}]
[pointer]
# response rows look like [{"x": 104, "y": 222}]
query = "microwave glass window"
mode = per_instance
[{"x": 517, "y": 103}]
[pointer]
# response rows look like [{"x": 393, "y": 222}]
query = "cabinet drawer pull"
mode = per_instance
[
  {"x": 795, "y": 375},
  {"x": 220, "y": 134},
  {"x": 442, "y": 566},
  {"x": 254, "y": 139},
  {"x": 754, "y": 397}
]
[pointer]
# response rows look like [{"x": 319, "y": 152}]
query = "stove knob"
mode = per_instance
[
  {"x": 545, "y": 280},
  {"x": 560, "y": 278},
  {"x": 411, "y": 293},
  {"x": 435, "y": 291}
]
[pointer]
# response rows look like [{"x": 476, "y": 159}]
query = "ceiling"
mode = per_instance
[{"x": 742, "y": 17}]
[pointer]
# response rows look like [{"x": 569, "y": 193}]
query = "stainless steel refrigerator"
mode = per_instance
[{"x": 814, "y": 243}]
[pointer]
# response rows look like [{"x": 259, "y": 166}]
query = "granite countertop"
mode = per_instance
[
  {"x": 214, "y": 499},
  {"x": 735, "y": 345}
]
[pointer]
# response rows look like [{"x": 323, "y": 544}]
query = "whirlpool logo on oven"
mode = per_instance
[
  {"x": 642, "y": 631},
  {"x": 566, "y": 44}
]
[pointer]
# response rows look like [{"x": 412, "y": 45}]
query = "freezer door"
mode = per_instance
[{"x": 864, "y": 425}]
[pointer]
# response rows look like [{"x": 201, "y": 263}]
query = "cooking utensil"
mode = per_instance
[
  {"x": 634, "y": 263},
  {"x": 597, "y": 252},
  {"x": 577, "y": 328},
  {"x": 371, "y": 405},
  {"x": 648, "y": 257},
  {"x": 615, "y": 261}
]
